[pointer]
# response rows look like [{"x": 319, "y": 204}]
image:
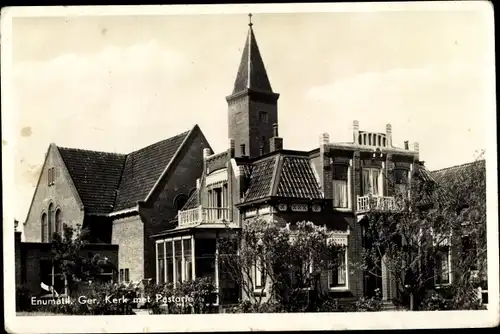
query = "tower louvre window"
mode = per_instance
[{"x": 263, "y": 117}]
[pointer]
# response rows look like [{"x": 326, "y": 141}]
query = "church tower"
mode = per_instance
[{"x": 252, "y": 106}]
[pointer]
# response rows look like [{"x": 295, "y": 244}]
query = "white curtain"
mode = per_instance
[{"x": 340, "y": 193}]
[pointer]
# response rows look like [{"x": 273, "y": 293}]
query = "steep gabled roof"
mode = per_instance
[
  {"x": 108, "y": 182},
  {"x": 143, "y": 168},
  {"x": 96, "y": 176}
]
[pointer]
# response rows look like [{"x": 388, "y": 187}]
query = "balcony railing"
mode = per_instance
[
  {"x": 202, "y": 215},
  {"x": 376, "y": 203}
]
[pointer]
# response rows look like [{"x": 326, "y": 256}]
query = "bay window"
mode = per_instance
[{"x": 174, "y": 260}]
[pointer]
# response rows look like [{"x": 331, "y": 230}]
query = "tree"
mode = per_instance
[
  {"x": 287, "y": 261},
  {"x": 68, "y": 259},
  {"x": 424, "y": 234}
]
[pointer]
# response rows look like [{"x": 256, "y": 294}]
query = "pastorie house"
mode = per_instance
[{"x": 159, "y": 211}]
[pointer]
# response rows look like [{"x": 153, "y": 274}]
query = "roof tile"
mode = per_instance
[{"x": 297, "y": 179}]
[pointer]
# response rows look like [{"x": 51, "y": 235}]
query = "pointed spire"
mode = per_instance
[{"x": 252, "y": 72}]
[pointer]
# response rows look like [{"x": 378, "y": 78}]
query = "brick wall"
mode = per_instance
[
  {"x": 61, "y": 194},
  {"x": 128, "y": 234},
  {"x": 244, "y": 124}
]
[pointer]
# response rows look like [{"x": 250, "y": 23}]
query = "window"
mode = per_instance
[
  {"x": 51, "y": 222},
  {"x": 188, "y": 262},
  {"x": 174, "y": 260},
  {"x": 58, "y": 228},
  {"x": 443, "y": 266},
  {"x": 51, "y": 276},
  {"x": 45, "y": 231},
  {"x": 121, "y": 276},
  {"x": 51, "y": 176},
  {"x": 263, "y": 117},
  {"x": 337, "y": 277},
  {"x": 340, "y": 191},
  {"x": 469, "y": 252},
  {"x": 400, "y": 180},
  {"x": 126, "y": 278},
  {"x": 160, "y": 249},
  {"x": 371, "y": 181},
  {"x": 178, "y": 260},
  {"x": 259, "y": 274},
  {"x": 180, "y": 201}
]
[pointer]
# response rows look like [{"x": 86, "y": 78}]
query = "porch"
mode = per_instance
[{"x": 192, "y": 255}]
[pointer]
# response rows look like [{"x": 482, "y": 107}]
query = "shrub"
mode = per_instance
[
  {"x": 196, "y": 296},
  {"x": 101, "y": 299},
  {"x": 372, "y": 304},
  {"x": 23, "y": 298}
]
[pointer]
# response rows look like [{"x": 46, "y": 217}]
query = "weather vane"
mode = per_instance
[{"x": 250, "y": 19}]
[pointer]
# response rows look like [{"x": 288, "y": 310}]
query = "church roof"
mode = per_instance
[
  {"x": 108, "y": 182},
  {"x": 252, "y": 73},
  {"x": 281, "y": 175},
  {"x": 96, "y": 176},
  {"x": 143, "y": 168}
]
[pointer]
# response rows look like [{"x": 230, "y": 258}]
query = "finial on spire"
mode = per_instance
[{"x": 250, "y": 20}]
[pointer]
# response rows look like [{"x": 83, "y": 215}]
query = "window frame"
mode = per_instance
[
  {"x": 348, "y": 186},
  {"x": 341, "y": 238},
  {"x": 371, "y": 170}
]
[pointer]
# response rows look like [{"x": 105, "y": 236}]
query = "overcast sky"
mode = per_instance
[{"x": 120, "y": 83}]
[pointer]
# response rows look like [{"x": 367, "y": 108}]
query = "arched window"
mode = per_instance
[
  {"x": 51, "y": 221},
  {"x": 58, "y": 221},
  {"x": 180, "y": 201},
  {"x": 44, "y": 227}
]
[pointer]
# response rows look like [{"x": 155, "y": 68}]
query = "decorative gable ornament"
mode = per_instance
[
  {"x": 316, "y": 208},
  {"x": 282, "y": 207},
  {"x": 299, "y": 207}
]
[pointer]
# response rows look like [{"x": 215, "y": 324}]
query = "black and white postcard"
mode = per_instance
[{"x": 249, "y": 167}]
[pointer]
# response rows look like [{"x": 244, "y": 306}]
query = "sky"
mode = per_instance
[{"x": 119, "y": 83}]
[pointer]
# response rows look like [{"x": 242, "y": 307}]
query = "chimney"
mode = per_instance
[
  {"x": 275, "y": 143},
  {"x": 243, "y": 153},
  {"x": 416, "y": 147},
  {"x": 388, "y": 134},
  {"x": 406, "y": 145},
  {"x": 355, "y": 131},
  {"x": 231, "y": 148},
  {"x": 206, "y": 152},
  {"x": 324, "y": 139}
]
